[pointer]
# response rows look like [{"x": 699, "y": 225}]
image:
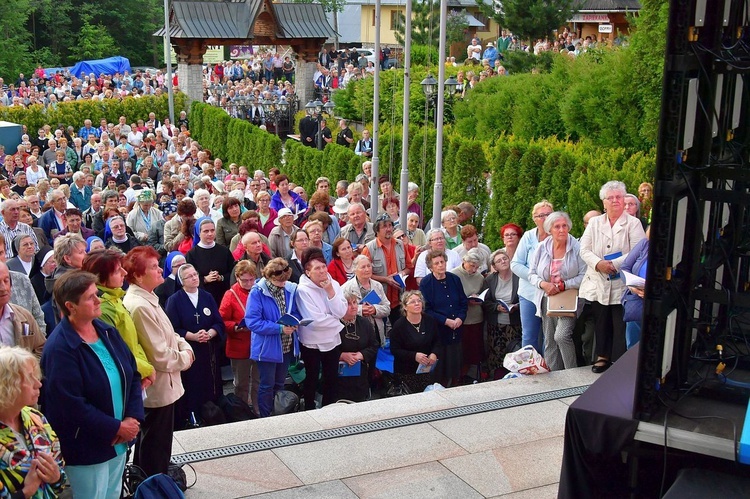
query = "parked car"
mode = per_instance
[{"x": 370, "y": 55}]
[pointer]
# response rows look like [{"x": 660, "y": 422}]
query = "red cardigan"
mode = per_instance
[
  {"x": 238, "y": 341},
  {"x": 337, "y": 271}
]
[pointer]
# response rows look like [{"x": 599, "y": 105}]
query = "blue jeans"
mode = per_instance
[
  {"x": 272, "y": 377},
  {"x": 632, "y": 333},
  {"x": 531, "y": 325}
]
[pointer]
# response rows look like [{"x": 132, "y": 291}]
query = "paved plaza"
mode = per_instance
[{"x": 513, "y": 452}]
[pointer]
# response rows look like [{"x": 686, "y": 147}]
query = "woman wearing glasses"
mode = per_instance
[
  {"x": 272, "y": 344},
  {"x": 414, "y": 341},
  {"x": 605, "y": 244},
  {"x": 531, "y": 324}
]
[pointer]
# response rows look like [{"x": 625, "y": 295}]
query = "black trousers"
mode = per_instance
[
  {"x": 315, "y": 360},
  {"x": 610, "y": 331},
  {"x": 153, "y": 449}
]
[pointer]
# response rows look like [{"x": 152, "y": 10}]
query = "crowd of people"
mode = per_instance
[{"x": 133, "y": 264}]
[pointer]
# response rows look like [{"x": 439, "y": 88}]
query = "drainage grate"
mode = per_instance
[{"x": 315, "y": 436}]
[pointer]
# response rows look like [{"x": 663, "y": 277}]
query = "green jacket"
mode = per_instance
[{"x": 115, "y": 314}]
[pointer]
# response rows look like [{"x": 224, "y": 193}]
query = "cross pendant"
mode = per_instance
[{"x": 197, "y": 318}]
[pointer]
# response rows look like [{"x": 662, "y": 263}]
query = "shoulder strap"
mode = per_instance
[{"x": 238, "y": 298}]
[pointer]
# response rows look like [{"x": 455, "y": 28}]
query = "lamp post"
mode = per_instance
[
  {"x": 430, "y": 90},
  {"x": 316, "y": 109},
  {"x": 274, "y": 110}
]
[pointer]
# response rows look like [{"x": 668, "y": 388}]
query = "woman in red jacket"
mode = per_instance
[
  {"x": 232, "y": 310},
  {"x": 340, "y": 267}
]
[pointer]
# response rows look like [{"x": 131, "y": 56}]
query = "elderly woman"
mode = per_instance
[
  {"x": 319, "y": 298},
  {"x": 633, "y": 208},
  {"x": 228, "y": 225},
  {"x": 341, "y": 267},
  {"x": 195, "y": 316},
  {"x": 605, "y": 244},
  {"x": 446, "y": 302},
  {"x": 415, "y": 339},
  {"x": 213, "y": 262},
  {"x": 501, "y": 311},
  {"x": 315, "y": 232},
  {"x": 473, "y": 283},
  {"x": 267, "y": 214},
  {"x": 106, "y": 265},
  {"x": 359, "y": 345},
  {"x": 165, "y": 350},
  {"x": 116, "y": 235},
  {"x": 143, "y": 216},
  {"x": 531, "y": 324},
  {"x": 299, "y": 241},
  {"x": 449, "y": 221},
  {"x": 40, "y": 473},
  {"x": 93, "y": 391},
  {"x": 645, "y": 196},
  {"x": 362, "y": 285},
  {"x": 415, "y": 235},
  {"x": 232, "y": 310},
  {"x": 391, "y": 207},
  {"x": 24, "y": 260},
  {"x": 331, "y": 227},
  {"x": 554, "y": 267},
  {"x": 511, "y": 234},
  {"x": 272, "y": 345},
  {"x": 171, "y": 284}
]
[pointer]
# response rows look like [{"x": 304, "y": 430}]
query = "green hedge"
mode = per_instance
[
  {"x": 234, "y": 140},
  {"x": 74, "y": 113}
]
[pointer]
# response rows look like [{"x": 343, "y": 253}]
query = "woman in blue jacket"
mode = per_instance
[
  {"x": 92, "y": 393},
  {"x": 632, "y": 300},
  {"x": 272, "y": 345}
]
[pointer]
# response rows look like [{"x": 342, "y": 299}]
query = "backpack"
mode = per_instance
[
  {"x": 159, "y": 486},
  {"x": 235, "y": 408},
  {"x": 285, "y": 402},
  {"x": 211, "y": 414}
]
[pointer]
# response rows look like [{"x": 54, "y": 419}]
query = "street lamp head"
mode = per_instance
[
  {"x": 267, "y": 105},
  {"x": 451, "y": 84},
  {"x": 310, "y": 108},
  {"x": 318, "y": 106},
  {"x": 429, "y": 86},
  {"x": 328, "y": 108},
  {"x": 283, "y": 104}
]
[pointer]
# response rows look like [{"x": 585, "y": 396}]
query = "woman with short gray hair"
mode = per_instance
[
  {"x": 556, "y": 266},
  {"x": 605, "y": 244},
  {"x": 473, "y": 284},
  {"x": 360, "y": 286}
]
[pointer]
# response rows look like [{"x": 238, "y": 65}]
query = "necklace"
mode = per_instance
[
  {"x": 350, "y": 330},
  {"x": 417, "y": 326}
]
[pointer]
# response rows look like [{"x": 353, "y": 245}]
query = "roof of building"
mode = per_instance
[
  {"x": 235, "y": 19},
  {"x": 609, "y": 5}
]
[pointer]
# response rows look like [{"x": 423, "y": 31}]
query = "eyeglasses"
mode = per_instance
[
  {"x": 510, "y": 234},
  {"x": 613, "y": 198},
  {"x": 542, "y": 215},
  {"x": 401, "y": 236},
  {"x": 277, "y": 273}
]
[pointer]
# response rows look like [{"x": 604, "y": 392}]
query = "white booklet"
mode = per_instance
[{"x": 633, "y": 280}]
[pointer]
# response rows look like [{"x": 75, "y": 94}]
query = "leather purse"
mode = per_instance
[{"x": 563, "y": 304}]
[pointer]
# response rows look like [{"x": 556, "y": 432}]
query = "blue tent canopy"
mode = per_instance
[{"x": 108, "y": 66}]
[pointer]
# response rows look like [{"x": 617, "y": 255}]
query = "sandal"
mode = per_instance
[{"x": 600, "y": 366}]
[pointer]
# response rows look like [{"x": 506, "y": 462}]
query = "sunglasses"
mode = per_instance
[{"x": 277, "y": 273}]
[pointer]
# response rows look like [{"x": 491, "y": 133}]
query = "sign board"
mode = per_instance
[
  {"x": 214, "y": 54},
  {"x": 241, "y": 51},
  {"x": 605, "y": 28},
  {"x": 590, "y": 18}
]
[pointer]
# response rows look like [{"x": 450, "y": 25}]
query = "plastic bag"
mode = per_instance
[{"x": 525, "y": 361}]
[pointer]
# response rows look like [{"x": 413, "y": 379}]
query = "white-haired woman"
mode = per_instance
[
  {"x": 556, "y": 266},
  {"x": 415, "y": 235},
  {"x": 449, "y": 220},
  {"x": 361, "y": 285},
  {"x": 473, "y": 283},
  {"x": 605, "y": 243}
]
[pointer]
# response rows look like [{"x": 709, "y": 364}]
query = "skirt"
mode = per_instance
[
  {"x": 450, "y": 360},
  {"x": 473, "y": 344},
  {"x": 501, "y": 339}
]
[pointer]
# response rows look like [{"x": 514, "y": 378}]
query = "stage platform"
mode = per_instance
[{"x": 495, "y": 439}]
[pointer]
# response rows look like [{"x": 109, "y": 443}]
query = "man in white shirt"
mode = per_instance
[{"x": 10, "y": 226}]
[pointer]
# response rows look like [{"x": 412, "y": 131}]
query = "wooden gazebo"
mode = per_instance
[{"x": 196, "y": 24}]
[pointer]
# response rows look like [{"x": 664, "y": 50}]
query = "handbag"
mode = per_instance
[{"x": 563, "y": 304}]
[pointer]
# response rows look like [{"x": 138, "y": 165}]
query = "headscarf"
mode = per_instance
[
  {"x": 17, "y": 241},
  {"x": 107, "y": 230},
  {"x": 168, "y": 262},
  {"x": 197, "y": 229},
  {"x": 91, "y": 239}
]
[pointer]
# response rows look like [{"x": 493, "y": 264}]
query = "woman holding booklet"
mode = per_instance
[
  {"x": 635, "y": 264},
  {"x": 373, "y": 302},
  {"x": 555, "y": 267},
  {"x": 359, "y": 349},
  {"x": 605, "y": 244},
  {"x": 501, "y": 312},
  {"x": 272, "y": 344}
]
